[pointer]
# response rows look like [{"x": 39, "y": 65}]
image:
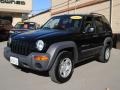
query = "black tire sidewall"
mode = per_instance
[
  {"x": 102, "y": 54},
  {"x": 57, "y": 72},
  {"x": 106, "y": 60}
]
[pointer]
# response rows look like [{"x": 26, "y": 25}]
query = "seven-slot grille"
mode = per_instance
[{"x": 21, "y": 47}]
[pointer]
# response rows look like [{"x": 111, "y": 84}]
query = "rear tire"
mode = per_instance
[
  {"x": 105, "y": 54},
  {"x": 62, "y": 69}
]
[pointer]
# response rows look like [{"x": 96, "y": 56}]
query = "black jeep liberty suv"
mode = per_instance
[{"x": 60, "y": 44}]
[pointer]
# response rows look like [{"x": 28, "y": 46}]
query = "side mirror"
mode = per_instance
[{"x": 91, "y": 30}]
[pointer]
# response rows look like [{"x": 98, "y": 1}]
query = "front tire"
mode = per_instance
[{"x": 62, "y": 69}]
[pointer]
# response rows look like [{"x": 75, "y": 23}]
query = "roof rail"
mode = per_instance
[{"x": 96, "y": 14}]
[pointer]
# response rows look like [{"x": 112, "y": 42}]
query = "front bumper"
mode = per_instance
[{"x": 28, "y": 61}]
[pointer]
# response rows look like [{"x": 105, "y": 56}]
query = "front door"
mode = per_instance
[{"x": 88, "y": 38}]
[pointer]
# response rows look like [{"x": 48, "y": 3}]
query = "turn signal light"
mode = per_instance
[{"x": 41, "y": 58}]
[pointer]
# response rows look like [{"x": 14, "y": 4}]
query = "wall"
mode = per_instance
[
  {"x": 88, "y": 6},
  {"x": 66, "y": 6},
  {"x": 41, "y": 19},
  {"x": 116, "y": 16},
  {"x": 15, "y": 9},
  {"x": 16, "y": 20},
  {"x": 12, "y": 7}
]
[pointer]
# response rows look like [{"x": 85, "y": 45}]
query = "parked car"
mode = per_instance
[
  {"x": 22, "y": 27},
  {"x": 5, "y": 26},
  {"x": 61, "y": 43}
]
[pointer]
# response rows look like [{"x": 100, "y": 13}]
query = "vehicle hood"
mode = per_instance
[
  {"x": 20, "y": 30},
  {"x": 40, "y": 34}
]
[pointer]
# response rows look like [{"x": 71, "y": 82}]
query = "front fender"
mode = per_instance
[{"x": 54, "y": 49}]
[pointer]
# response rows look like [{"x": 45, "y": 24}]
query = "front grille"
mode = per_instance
[{"x": 21, "y": 47}]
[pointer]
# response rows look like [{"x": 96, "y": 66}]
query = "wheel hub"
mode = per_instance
[
  {"x": 107, "y": 53},
  {"x": 65, "y": 67}
]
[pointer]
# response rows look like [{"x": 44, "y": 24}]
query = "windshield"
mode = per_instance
[
  {"x": 24, "y": 25},
  {"x": 63, "y": 23}
]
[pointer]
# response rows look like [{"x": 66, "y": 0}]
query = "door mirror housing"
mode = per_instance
[{"x": 91, "y": 30}]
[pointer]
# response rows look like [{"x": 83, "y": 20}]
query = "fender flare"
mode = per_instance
[
  {"x": 54, "y": 49},
  {"x": 107, "y": 40}
]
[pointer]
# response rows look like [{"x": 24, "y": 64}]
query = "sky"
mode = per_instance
[{"x": 40, "y": 5}]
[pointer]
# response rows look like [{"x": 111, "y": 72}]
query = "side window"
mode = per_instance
[
  {"x": 99, "y": 25},
  {"x": 88, "y": 25},
  {"x": 75, "y": 24},
  {"x": 105, "y": 20},
  {"x": 71, "y": 24},
  {"x": 106, "y": 24},
  {"x": 52, "y": 23},
  {"x": 55, "y": 23},
  {"x": 66, "y": 22}
]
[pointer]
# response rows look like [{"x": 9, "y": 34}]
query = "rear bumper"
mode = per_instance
[{"x": 28, "y": 61}]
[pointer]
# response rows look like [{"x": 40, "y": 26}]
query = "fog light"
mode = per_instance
[{"x": 41, "y": 58}]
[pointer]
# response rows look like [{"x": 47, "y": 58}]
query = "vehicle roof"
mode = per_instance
[
  {"x": 92, "y": 14},
  {"x": 26, "y": 22}
]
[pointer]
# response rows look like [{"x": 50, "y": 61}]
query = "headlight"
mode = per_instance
[{"x": 40, "y": 45}]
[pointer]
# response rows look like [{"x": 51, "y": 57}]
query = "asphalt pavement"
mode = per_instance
[{"x": 91, "y": 75}]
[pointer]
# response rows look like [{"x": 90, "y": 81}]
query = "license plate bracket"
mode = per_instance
[{"x": 14, "y": 61}]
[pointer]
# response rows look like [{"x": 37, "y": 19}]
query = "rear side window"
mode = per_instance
[
  {"x": 99, "y": 25},
  {"x": 106, "y": 24},
  {"x": 105, "y": 20}
]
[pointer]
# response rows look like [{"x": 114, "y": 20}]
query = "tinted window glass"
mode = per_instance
[
  {"x": 106, "y": 24},
  {"x": 99, "y": 25},
  {"x": 105, "y": 20},
  {"x": 63, "y": 23},
  {"x": 88, "y": 24}
]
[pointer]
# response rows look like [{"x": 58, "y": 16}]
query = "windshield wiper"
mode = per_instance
[{"x": 46, "y": 28}]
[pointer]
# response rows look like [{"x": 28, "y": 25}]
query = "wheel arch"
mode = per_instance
[
  {"x": 56, "y": 48},
  {"x": 108, "y": 41}
]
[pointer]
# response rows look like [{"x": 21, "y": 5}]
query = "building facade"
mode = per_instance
[
  {"x": 17, "y": 9},
  {"x": 41, "y": 17},
  {"x": 109, "y": 8},
  {"x": 90, "y": 6}
]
